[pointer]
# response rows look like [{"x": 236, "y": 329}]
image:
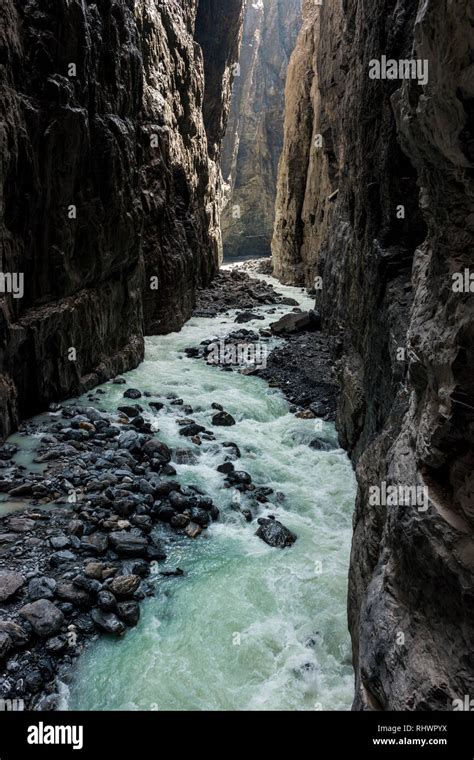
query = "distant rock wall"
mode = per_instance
[
  {"x": 110, "y": 185},
  {"x": 254, "y": 136}
]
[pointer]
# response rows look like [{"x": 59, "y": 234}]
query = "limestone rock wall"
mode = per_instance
[
  {"x": 110, "y": 196},
  {"x": 383, "y": 215}
]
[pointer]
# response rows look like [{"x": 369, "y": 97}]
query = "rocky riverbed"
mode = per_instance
[
  {"x": 92, "y": 517},
  {"x": 80, "y": 567},
  {"x": 303, "y": 365}
]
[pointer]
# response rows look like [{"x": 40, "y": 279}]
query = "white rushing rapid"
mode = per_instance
[{"x": 247, "y": 626}]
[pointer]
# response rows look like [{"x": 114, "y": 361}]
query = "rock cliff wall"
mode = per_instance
[
  {"x": 375, "y": 197},
  {"x": 110, "y": 195},
  {"x": 254, "y": 137}
]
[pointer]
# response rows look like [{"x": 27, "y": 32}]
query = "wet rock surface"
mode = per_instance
[
  {"x": 234, "y": 289},
  {"x": 85, "y": 551},
  {"x": 304, "y": 363},
  {"x": 274, "y": 533},
  {"x": 74, "y": 563},
  {"x": 403, "y": 337},
  {"x": 110, "y": 183}
]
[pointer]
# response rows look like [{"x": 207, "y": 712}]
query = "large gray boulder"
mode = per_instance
[
  {"x": 44, "y": 617},
  {"x": 10, "y": 583}
]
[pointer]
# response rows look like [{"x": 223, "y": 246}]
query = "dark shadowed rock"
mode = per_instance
[
  {"x": 131, "y": 411},
  {"x": 247, "y": 316},
  {"x": 128, "y": 544},
  {"x": 61, "y": 558},
  {"x": 41, "y": 588},
  {"x": 76, "y": 528},
  {"x": 132, "y": 393},
  {"x": 319, "y": 445},
  {"x": 108, "y": 622},
  {"x": 95, "y": 544},
  {"x": 223, "y": 419},
  {"x": 155, "y": 449},
  {"x": 68, "y": 592},
  {"x": 21, "y": 524},
  {"x": 192, "y": 430},
  {"x": 293, "y": 323},
  {"x": 200, "y": 517},
  {"x": 129, "y": 612},
  {"x": 231, "y": 450},
  {"x": 57, "y": 645},
  {"x": 17, "y": 633},
  {"x": 180, "y": 521},
  {"x": 274, "y": 533},
  {"x": 106, "y": 601},
  {"x": 225, "y": 468}
]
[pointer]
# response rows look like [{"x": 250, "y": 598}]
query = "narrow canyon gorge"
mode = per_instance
[
  {"x": 185, "y": 182},
  {"x": 111, "y": 183}
]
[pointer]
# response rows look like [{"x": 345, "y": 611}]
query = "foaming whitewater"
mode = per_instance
[{"x": 248, "y": 627}]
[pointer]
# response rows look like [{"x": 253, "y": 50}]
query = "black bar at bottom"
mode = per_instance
[{"x": 125, "y": 734}]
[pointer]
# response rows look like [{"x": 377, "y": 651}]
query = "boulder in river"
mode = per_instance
[
  {"x": 129, "y": 612},
  {"x": 239, "y": 477},
  {"x": 296, "y": 322},
  {"x": 226, "y": 468},
  {"x": 17, "y": 634},
  {"x": 68, "y": 592},
  {"x": 223, "y": 419},
  {"x": 41, "y": 588},
  {"x": 180, "y": 521},
  {"x": 10, "y": 583},
  {"x": 274, "y": 533},
  {"x": 124, "y": 585},
  {"x": 247, "y": 316},
  {"x": 155, "y": 449},
  {"x": 233, "y": 451},
  {"x": 44, "y": 617},
  {"x": 132, "y": 393},
  {"x": 192, "y": 430},
  {"x": 130, "y": 411},
  {"x": 317, "y": 444},
  {"x": 128, "y": 544},
  {"x": 96, "y": 543},
  {"x": 193, "y": 530},
  {"x": 108, "y": 622},
  {"x": 200, "y": 516}
]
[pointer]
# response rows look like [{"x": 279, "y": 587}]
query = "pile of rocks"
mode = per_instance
[
  {"x": 234, "y": 289},
  {"x": 76, "y": 561},
  {"x": 81, "y": 567}
]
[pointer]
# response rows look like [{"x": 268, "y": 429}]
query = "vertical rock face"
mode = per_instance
[
  {"x": 301, "y": 110},
  {"x": 188, "y": 52},
  {"x": 384, "y": 215},
  {"x": 254, "y": 136},
  {"x": 110, "y": 196}
]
